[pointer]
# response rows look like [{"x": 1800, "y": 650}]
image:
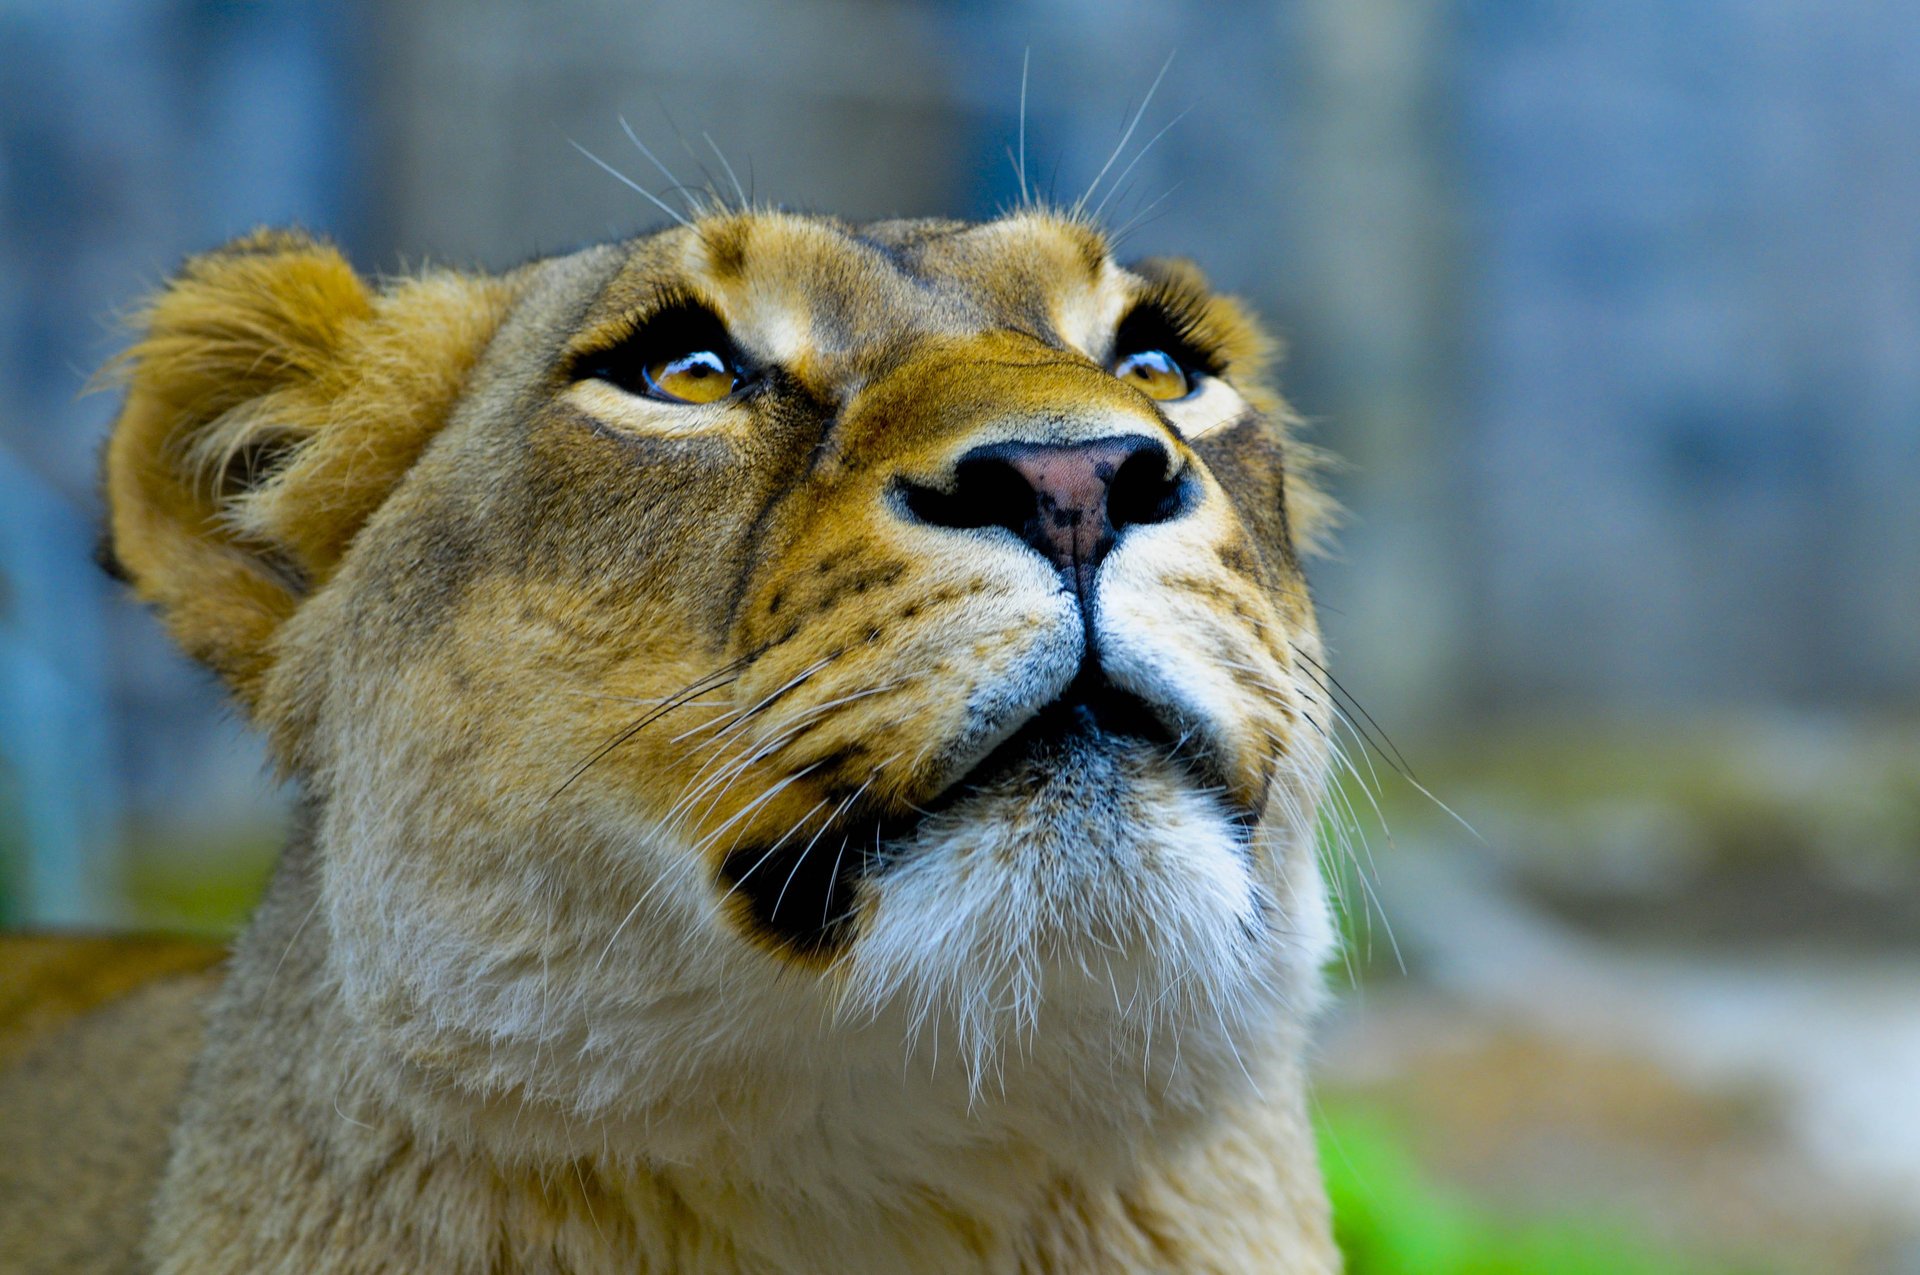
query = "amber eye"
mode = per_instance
[
  {"x": 679, "y": 354},
  {"x": 701, "y": 376},
  {"x": 1154, "y": 373}
]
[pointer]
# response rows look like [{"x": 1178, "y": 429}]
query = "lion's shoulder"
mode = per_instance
[
  {"x": 96, "y": 1037},
  {"x": 47, "y": 981}
]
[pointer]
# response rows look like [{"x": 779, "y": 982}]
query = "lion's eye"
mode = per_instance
[
  {"x": 1154, "y": 373},
  {"x": 701, "y": 376},
  {"x": 681, "y": 354}
]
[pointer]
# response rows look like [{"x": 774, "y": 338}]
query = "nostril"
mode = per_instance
[
  {"x": 1144, "y": 491},
  {"x": 988, "y": 491},
  {"x": 1068, "y": 501}
]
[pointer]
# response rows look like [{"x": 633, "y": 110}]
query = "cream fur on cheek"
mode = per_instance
[{"x": 1213, "y": 405}]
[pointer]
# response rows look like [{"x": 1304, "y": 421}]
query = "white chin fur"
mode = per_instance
[{"x": 1135, "y": 922}]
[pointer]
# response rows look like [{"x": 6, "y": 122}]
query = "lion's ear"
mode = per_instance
[{"x": 274, "y": 400}]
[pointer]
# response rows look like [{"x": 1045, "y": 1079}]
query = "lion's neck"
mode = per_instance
[{"x": 372, "y": 1170}]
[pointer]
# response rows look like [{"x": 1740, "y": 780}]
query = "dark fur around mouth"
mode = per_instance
[{"x": 801, "y": 894}]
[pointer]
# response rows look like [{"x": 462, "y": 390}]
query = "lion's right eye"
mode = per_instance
[
  {"x": 681, "y": 355},
  {"x": 704, "y": 376},
  {"x": 1154, "y": 373}
]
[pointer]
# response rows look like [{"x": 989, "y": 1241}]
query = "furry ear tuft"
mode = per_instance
[{"x": 274, "y": 400}]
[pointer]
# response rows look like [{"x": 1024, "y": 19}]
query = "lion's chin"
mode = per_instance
[
  {"x": 1085, "y": 841},
  {"x": 1090, "y": 885}
]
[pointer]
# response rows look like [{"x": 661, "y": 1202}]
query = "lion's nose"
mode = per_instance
[{"x": 1071, "y": 502}]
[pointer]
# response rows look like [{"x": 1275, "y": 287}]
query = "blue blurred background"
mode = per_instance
[{"x": 1613, "y": 311}]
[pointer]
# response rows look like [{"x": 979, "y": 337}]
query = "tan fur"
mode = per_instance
[
  {"x": 89, "y": 1096},
  {"x": 561, "y": 669}
]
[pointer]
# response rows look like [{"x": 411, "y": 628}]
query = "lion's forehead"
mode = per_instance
[{"x": 831, "y": 296}]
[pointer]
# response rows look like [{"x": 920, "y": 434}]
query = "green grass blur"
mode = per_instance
[{"x": 1391, "y": 1219}]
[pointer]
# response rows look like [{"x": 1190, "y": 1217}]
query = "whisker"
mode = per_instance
[
  {"x": 673, "y": 183},
  {"x": 772, "y": 792},
  {"x": 724, "y": 767},
  {"x": 708, "y": 189},
  {"x": 1132, "y": 163},
  {"x": 731, "y": 175},
  {"x": 1333, "y": 685},
  {"x": 1368, "y": 872},
  {"x": 1020, "y": 167},
  {"x": 801, "y": 860},
  {"x": 772, "y": 697},
  {"x": 1405, "y": 771},
  {"x": 633, "y": 185},
  {"x": 1080, "y": 204},
  {"x": 743, "y": 759},
  {"x": 846, "y": 804},
  {"x": 1343, "y": 831},
  {"x": 787, "y": 728},
  {"x": 712, "y": 681},
  {"x": 1140, "y": 219},
  {"x": 675, "y": 865},
  {"x": 732, "y": 766},
  {"x": 1371, "y": 780},
  {"x": 636, "y": 700}
]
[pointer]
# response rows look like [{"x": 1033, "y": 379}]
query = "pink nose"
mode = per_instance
[
  {"x": 1070, "y": 502},
  {"x": 1070, "y": 522}
]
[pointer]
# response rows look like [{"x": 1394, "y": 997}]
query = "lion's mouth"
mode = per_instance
[
  {"x": 1089, "y": 709},
  {"x": 802, "y": 892}
]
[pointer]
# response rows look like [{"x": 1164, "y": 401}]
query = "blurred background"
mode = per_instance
[{"x": 1612, "y": 310}]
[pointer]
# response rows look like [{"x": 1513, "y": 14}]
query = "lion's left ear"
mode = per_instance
[{"x": 274, "y": 401}]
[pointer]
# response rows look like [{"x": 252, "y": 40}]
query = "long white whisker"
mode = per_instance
[
  {"x": 776, "y": 693},
  {"x": 732, "y": 176},
  {"x": 1126, "y": 136},
  {"x": 745, "y": 811},
  {"x": 1132, "y": 163},
  {"x": 1369, "y": 870},
  {"x": 757, "y": 749},
  {"x": 741, "y": 718},
  {"x": 635, "y": 186},
  {"x": 673, "y": 183},
  {"x": 719, "y": 200},
  {"x": 635, "y": 699},
  {"x": 633, "y": 912},
  {"x": 1020, "y": 167},
  {"x": 1140, "y": 219},
  {"x": 846, "y": 804},
  {"x": 748, "y": 809},
  {"x": 805, "y": 850}
]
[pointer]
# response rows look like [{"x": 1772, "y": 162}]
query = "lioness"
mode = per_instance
[{"x": 808, "y": 759}]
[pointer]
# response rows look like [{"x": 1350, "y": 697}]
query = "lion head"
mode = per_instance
[{"x": 771, "y": 665}]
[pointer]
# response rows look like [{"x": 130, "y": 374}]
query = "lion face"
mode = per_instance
[{"x": 781, "y": 647}]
